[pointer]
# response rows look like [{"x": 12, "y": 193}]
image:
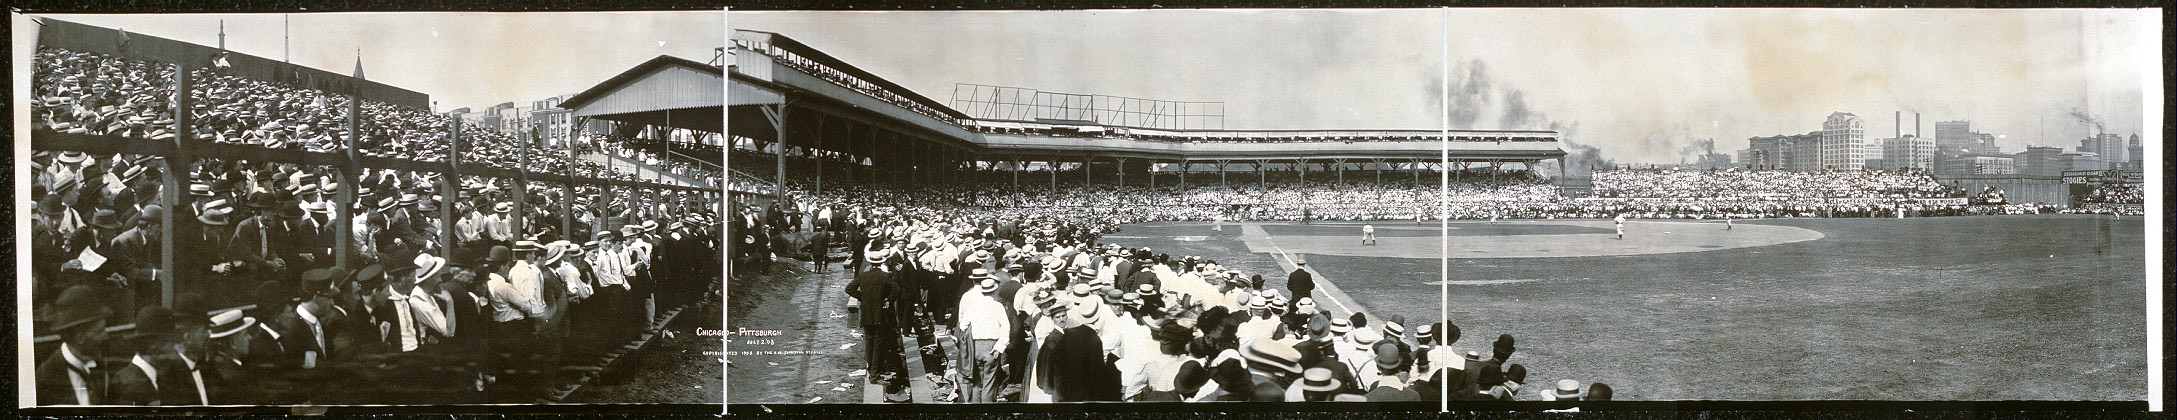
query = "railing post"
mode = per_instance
[
  {"x": 183, "y": 138},
  {"x": 566, "y": 220},
  {"x": 348, "y": 169},
  {"x": 520, "y": 220},
  {"x": 452, "y": 181}
]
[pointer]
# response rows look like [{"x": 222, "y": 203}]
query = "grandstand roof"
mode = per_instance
[
  {"x": 805, "y": 51},
  {"x": 772, "y": 69},
  {"x": 666, "y": 91}
]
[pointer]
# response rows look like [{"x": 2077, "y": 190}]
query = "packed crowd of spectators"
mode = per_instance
[
  {"x": 1034, "y": 308},
  {"x": 91, "y": 93},
  {"x": 684, "y": 164},
  {"x": 263, "y": 312},
  {"x": 1735, "y": 183},
  {"x": 2123, "y": 193}
]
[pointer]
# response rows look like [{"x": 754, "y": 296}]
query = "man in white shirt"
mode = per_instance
[
  {"x": 508, "y": 302},
  {"x": 499, "y": 226},
  {"x": 414, "y": 313},
  {"x": 986, "y": 326}
]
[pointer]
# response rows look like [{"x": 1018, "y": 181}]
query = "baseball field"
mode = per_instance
[{"x": 1960, "y": 308}]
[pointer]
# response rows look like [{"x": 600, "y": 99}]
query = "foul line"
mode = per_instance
[{"x": 1330, "y": 291}]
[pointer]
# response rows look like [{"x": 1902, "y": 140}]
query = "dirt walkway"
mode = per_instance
[{"x": 792, "y": 340}]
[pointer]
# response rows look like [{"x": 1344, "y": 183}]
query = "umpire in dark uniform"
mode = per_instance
[{"x": 1300, "y": 282}]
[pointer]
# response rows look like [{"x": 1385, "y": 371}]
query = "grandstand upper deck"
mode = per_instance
[{"x": 777, "y": 67}]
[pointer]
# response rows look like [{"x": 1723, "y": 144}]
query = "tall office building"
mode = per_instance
[
  {"x": 1954, "y": 137},
  {"x": 1844, "y": 142},
  {"x": 2040, "y": 161},
  {"x": 1908, "y": 152}
]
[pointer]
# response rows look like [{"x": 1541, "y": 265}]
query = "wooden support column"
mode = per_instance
[
  {"x": 1262, "y": 178},
  {"x": 818, "y": 187},
  {"x": 777, "y": 117},
  {"x": 1183, "y": 163},
  {"x": 451, "y": 182},
  {"x": 566, "y": 196},
  {"x": 1122, "y": 171},
  {"x": 183, "y": 138},
  {"x": 520, "y": 220}
]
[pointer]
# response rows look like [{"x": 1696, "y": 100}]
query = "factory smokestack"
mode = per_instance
[
  {"x": 1897, "y": 122},
  {"x": 1916, "y": 125}
]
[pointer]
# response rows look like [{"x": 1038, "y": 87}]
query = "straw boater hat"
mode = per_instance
[
  {"x": 230, "y": 322},
  {"x": 987, "y": 284},
  {"x": 553, "y": 253},
  {"x": 1341, "y": 325},
  {"x": 215, "y": 213},
  {"x": 1566, "y": 390},
  {"x": 874, "y": 257},
  {"x": 1272, "y": 355},
  {"x": 1317, "y": 380},
  {"x": 1086, "y": 312}
]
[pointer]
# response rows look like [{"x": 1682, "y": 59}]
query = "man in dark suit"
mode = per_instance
[
  {"x": 71, "y": 375},
  {"x": 882, "y": 310},
  {"x": 1300, "y": 282},
  {"x": 138, "y": 381},
  {"x": 857, "y": 239},
  {"x": 185, "y": 370},
  {"x": 819, "y": 249}
]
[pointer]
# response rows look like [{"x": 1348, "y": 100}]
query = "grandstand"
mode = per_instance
[
  {"x": 819, "y": 105},
  {"x": 196, "y": 152}
]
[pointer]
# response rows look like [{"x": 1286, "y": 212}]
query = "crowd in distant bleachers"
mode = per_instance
[{"x": 1745, "y": 183}]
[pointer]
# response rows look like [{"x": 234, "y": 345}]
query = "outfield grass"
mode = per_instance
[{"x": 1961, "y": 308}]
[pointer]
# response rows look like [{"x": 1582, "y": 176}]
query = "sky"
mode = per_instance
[
  {"x": 1271, "y": 69},
  {"x": 1642, "y": 85},
  {"x": 461, "y": 59}
]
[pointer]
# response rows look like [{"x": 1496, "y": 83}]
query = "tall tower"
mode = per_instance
[
  {"x": 1844, "y": 142},
  {"x": 222, "y": 34}
]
